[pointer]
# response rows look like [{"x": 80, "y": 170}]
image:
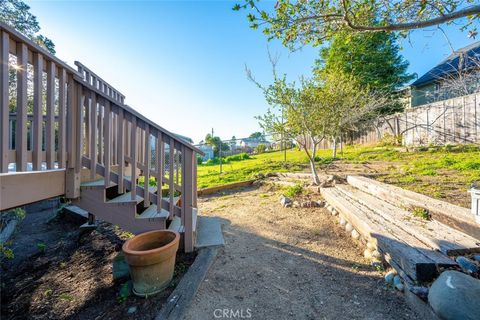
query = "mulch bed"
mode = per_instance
[{"x": 58, "y": 274}]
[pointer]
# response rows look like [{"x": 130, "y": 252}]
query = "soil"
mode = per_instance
[
  {"x": 288, "y": 263},
  {"x": 58, "y": 274}
]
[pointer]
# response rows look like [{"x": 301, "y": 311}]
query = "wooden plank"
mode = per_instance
[
  {"x": 37, "y": 123},
  {"x": 180, "y": 299},
  {"x": 21, "y": 124},
  {"x": 120, "y": 150},
  {"x": 50, "y": 122},
  {"x": 62, "y": 103},
  {"x": 133, "y": 148},
  {"x": 93, "y": 137},
  {"x": 146, "y": 171},
  {"x": 108, "y": 141},
  {"x": 71, "y": 122},
  {"x": 449, "y": 214},
  {"x": 170, "y": 174},
  {"x": 21, "y": 188},
  {"x": 187, "y": 198},
  {"x": 100, "y": 132},
  {"x": 434, "y": 234},
  {"x": 4, "y": 101},
  {"x": 415, "y": 258},
  {"x": 80, "y": 100},
  {"x": 159, "y": 167}
]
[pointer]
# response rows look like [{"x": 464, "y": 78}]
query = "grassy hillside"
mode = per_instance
[{"x": 432, "y": 171}]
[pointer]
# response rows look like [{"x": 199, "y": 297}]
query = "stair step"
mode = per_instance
[
  {"x": 96, "y": 183},
  {"x": 176, "y": 225},
  {"x": 126, "y": 197},
  {"x": 151, "y": 212}
]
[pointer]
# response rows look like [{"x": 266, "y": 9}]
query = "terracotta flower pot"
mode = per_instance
[{"x": 151, "y": 258}]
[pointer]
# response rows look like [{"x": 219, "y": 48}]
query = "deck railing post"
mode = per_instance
[
  {"x": 21, "y": 124},
  {"x": 37, "y": 111},
  {"x": 4, "y": 101},
  {"x": 187, "y": 198},
  {"x": 72, "y": 182}
]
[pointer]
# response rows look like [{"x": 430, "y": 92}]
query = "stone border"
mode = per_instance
[
  {"x": 180, "y": 299},
  {"x": 223, "y": 187}
]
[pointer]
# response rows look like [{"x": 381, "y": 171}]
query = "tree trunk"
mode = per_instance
[
  {"x": 334, "y": 147},
  {"x": 315, "y": 178}
]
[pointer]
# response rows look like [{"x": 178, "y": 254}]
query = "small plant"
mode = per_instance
[
  {"x": 261, "y": 148},
  {"x": 125, "y": 292},
  {"x": 47, "y": 292},
  {"x": 294, "y": 191},
  {"x": 7, "y": 252},
  {"x": 421, "y": 213},
  {"x": 41, "y": 246},
  {"x": 66, "y": 297},
  {"x": 63, "y": 264}
]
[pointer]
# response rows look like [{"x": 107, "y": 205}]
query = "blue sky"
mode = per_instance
[{"x": 182, "y": 63}]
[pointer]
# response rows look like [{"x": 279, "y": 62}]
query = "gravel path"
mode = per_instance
[{"x": 288, "y": 263}]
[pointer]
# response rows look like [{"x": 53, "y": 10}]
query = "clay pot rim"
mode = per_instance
[{"x": 172, "y": 243}]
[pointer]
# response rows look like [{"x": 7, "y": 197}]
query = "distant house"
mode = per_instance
[
  {"x": 252, "y": 143},
  {"x": 207, "y": 150},
  {"x": 457, "y": 75}
]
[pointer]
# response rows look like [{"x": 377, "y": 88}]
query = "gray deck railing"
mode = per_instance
[{"x": 73, "y": 120}]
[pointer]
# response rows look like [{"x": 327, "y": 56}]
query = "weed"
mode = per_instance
[
  {"x": 66, "y": 297},
  {"x": 421, "y": 213},
  {"x": 125, "y": 292},
  {"x": 47, "y": 292},
  {"x": 294, "y": 191},
  {"x": 41, "y": 246},
  {"x": 7, "y": 252}
]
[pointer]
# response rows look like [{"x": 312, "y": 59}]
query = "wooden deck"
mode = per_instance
[{"x": 85, "y": 131}]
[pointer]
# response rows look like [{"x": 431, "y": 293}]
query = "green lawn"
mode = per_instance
[{"x": 429, "y": 170}]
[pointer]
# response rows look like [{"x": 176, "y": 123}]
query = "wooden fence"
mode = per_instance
[{"x": 453, "y": 121}]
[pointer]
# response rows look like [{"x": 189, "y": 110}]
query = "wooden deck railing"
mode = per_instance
[{"x": 72, "y": 119}]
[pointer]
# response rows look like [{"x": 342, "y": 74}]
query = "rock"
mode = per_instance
[
  {"x": 260, "y": 176},
  {"x": 467, "y": 265},
  {"x": 334, "y": 212},
  {"x": 421, "y": 292},
  {"x": 376, "y": 254},
  {"x": 342, "y": 221},
  {"x": 288, "y": 205},
  {"x": 296, "y": 204},
  {"x": 329, "y": 208},
  {"x": 397, "y": 282},
  {"x": 389, "y": 276},
  {"x": 132, "y": 310},
  {"x": 367, "y": 254},
  {"x": 284, "y": 200},
  {"x": 320, "y": 203},
  {"x": 120, "y": 267},
  {"x": 371, "y": 246},
  {"x": 454, "y": 295},
  {"x": 348, "y": 227},
  {"x": 355, "y": 234}
]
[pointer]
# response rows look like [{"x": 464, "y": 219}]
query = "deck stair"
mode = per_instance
[
  {"x": 107, "y": 204},
  {"x": 420, "y": 248}
]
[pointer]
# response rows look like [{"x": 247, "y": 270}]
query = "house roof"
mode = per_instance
[{"x": 452, "y": 63}]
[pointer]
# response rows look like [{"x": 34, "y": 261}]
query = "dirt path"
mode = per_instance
[{"x": 285, "y": 263}]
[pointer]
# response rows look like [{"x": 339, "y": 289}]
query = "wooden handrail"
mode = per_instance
[{"x": 93, "y": 129}]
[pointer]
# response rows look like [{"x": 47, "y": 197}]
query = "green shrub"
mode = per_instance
[
  {"x": 294, "y": 191},
  {"x": 260, "y": 148},
  {"x": 238, "y": 157}
]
